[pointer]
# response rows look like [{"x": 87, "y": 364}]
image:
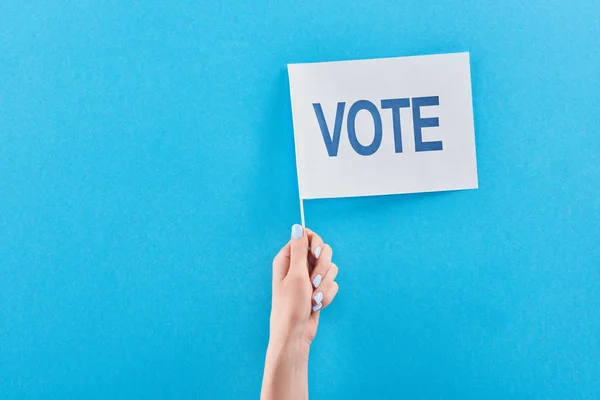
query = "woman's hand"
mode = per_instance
[{"x": 303, "y": 284}]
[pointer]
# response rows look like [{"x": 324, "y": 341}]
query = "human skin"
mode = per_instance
[{"x": 303, "y": 285}]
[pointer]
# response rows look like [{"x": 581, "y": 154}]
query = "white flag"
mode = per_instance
[{"x": 383, "y": 126}]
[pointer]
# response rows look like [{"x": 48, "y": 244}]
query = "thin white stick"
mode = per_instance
[
  {"x": 296, "y": 154},
  {"x": 302, "y": 212},
  {"x": 299, "y": 190}
]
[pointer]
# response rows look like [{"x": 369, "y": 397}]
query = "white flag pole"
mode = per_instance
[
  {"x": 302, "y": 212},
  {"x": 299, "y": 188},
  {"x": 300, "y": 194}
]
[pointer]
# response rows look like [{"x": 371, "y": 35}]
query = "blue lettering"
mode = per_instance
[
  {"x": 332, "y": 142},
  {"x": 395, "y": 105},
  {"x": 359, "y": 148},
  {"x": 420, "y": 123}
]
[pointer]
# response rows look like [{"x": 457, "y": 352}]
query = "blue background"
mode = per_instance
[{"x": 147, "y": 178}]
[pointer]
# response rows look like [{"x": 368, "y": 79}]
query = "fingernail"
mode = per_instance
[
  {"x": 317, "y": 281},
  {"x": 317, "y": 251},
  {"x": 296, "y": 231},
  {"x": 318, "y": 297},
  {"x": 317, "y": 307}
]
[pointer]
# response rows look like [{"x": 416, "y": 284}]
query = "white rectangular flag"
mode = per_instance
[{"x": 383, "y": 126}]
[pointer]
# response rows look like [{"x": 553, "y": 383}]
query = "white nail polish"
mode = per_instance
[
  {"x": 317, "y": 281},
  {"x": 317, "y": 307},
  {"x": 297, "y": 231},
  {"x": 318, "y": 297},
  {"x": 317, "y": 251}
]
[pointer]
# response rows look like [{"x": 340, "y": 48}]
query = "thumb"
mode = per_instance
[{"x": 299, "y": 250}]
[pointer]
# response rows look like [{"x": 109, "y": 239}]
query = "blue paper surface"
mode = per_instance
[{"x": 147, "y": 178}]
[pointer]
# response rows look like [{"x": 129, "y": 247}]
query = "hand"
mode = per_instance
[{"x": 303, "y": 284}]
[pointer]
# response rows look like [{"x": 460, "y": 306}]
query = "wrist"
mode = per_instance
[
  {"x": 289, "y": 351},
  {"x": 286, "y": 371}
]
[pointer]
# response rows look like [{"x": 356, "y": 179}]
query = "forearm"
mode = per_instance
[{"x": 286, "y": 372}]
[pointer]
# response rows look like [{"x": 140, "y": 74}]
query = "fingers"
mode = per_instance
[
  {"x": 298, "y": 251},
  {"x": 316, "y": 246},
  {"x": 323, "y": 274},
  {"x": 296, "y": 257},
  {"x": 281, "y": 263},
  {"x": 322, "y": 264},
  {"x": 325, "y": 295},
  {"x": 327, "y": 289}
]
